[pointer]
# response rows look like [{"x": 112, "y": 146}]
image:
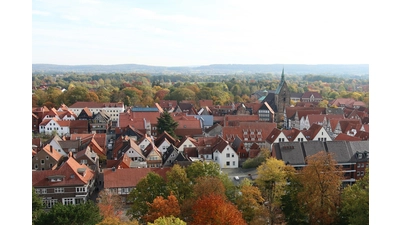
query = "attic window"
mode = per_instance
[{"x": 359, "y": 155}]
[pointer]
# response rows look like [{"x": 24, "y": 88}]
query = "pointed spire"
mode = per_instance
[{"x": 283, "y": 75}]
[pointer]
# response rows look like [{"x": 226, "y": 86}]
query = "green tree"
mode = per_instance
[
  {"x": 179, "y": 183},
  {"x": 147, "y": 189},
  {"x": 272, "y": 180},
  {"x": 292, "y": 207},
  {"x": 202, "y": 169},
  {"x": 355, "y": 202},
  {"x": 166, "y": 123},
  {"x": 87, "y": 213},
  {"x": 37, "y": 206}
]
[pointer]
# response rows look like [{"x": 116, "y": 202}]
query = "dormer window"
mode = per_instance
[{"x": 359, "y": 155}]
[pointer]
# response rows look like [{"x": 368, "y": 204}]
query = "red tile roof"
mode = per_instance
[
  {"x": 69, "y": 170},
  {"x": 130, "y": 177}
]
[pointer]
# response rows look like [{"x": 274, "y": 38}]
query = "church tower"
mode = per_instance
[{"x": 282, "y": 99}]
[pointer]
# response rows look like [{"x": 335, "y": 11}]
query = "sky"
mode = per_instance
[{"x": 191, "y": 33}]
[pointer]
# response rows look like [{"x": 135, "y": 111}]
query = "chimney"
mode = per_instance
[
  {"x": 70, "y": 154},
  {"x": 113, "y": 168},
  {"x": 51, "y": 149}
]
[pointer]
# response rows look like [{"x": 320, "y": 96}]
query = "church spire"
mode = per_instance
[{"x": 283, "y": 75}]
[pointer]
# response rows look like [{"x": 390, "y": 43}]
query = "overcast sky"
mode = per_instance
[{"x": 181, "y": 33}]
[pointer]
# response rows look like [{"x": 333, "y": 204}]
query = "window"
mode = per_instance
[
  {"x": 42, "y": 161},
  {"x": 80, "y": 189},
  {"x": 49, "y": 203},
  {"x": 358, "y": 173},
  {"x": 44, "y": 191},
  {"x": 228, "y": 155},
  {"x": 68, "y": 201},
  {"x": 58, "y": 190},
  {"x": 228, "y": 163},
  {"x": 47, "y": 157},
  {"x": 233, "y": 163},
  {"x": 232, "y": 155},
  {"x": 36, "y": 166}
]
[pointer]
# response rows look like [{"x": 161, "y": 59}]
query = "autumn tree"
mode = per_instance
[
  {"x": 117, "y": 221},
  {"x": 214, "y": 209},
  {"x": 250, "y": 202},
  {"x": 162, "y": 207},
  {"x": 207, "y": 186},
  {"x": 355, "y": 202},
  {"x": 166, "y": 123},
  {"x": 169, "y": 220},
  {"x": 271, "y": 180},
  {"x": 321, "y": 181},
  {"x": 147, "y": 189},
  {"x": 179, "y": 183},
  {"x": 110, "y": 204}
]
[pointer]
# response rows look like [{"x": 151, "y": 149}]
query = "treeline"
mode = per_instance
[
  {"x": 139, "y": 89},
  {"x": 201, "y": 194}
]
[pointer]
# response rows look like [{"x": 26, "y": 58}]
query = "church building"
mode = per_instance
[{"x": 279, "y": 99}]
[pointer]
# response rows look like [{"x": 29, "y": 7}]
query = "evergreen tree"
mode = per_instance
[{"x": 167, "y": 123}]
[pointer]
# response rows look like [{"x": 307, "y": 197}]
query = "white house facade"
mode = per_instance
[{"x": 226, "y": 157}]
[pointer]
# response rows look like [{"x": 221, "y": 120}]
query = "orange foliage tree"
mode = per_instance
[
  {"x": 214, "y": 209},
  {"x": 162, "y": 207},
  {"x": 110, "y": 204},
  {"x": 321, "y": 180}
]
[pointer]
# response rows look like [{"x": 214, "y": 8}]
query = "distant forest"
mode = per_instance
[{"x": 145, "y": 89}]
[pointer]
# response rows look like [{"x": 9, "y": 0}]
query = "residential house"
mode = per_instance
[
  {"x": 113, "y": 109},
  {"x": 129, "y": 131},
  {"x": 51, "y": 126},
  {"x": 214, "y": 130},
  {"x": 187, "y": 125},
  {"x": 101, "y": 122},
  {"x": 275, "y": 136},
  {"x": 346, "y": 102},
  {"x": 78, "y": 126},
  {"x": 249, "y": 132},
  {"x": 153, "y": 156},
  {"x": 224, "y": 155},
  {"x": 316, "y": 133},
  {"x": 294, "y": 135},
  {"x": 89, "y": 158},
  {"x": 35, "y": 123},
  {"x": 164, "y": 140},
  {"x": 85, "y": 114},
  {"x": 69, "y": 183},
  {"x": 46, "y": 159},
  {"x": 168, "y": 105},
  {"x": 186, "y": 108},
  {"x": 173, "y": 156},
  {"x": 143, "y": 119},
  {"x": 266, "y": 113},
  {"x": 311, "y": 96},
  {"x": 234, "y": 120},
  {"x": 186, "y": 142},
  {"x": 296, "y": 115},
  {"x": 123, "y": 181}
]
